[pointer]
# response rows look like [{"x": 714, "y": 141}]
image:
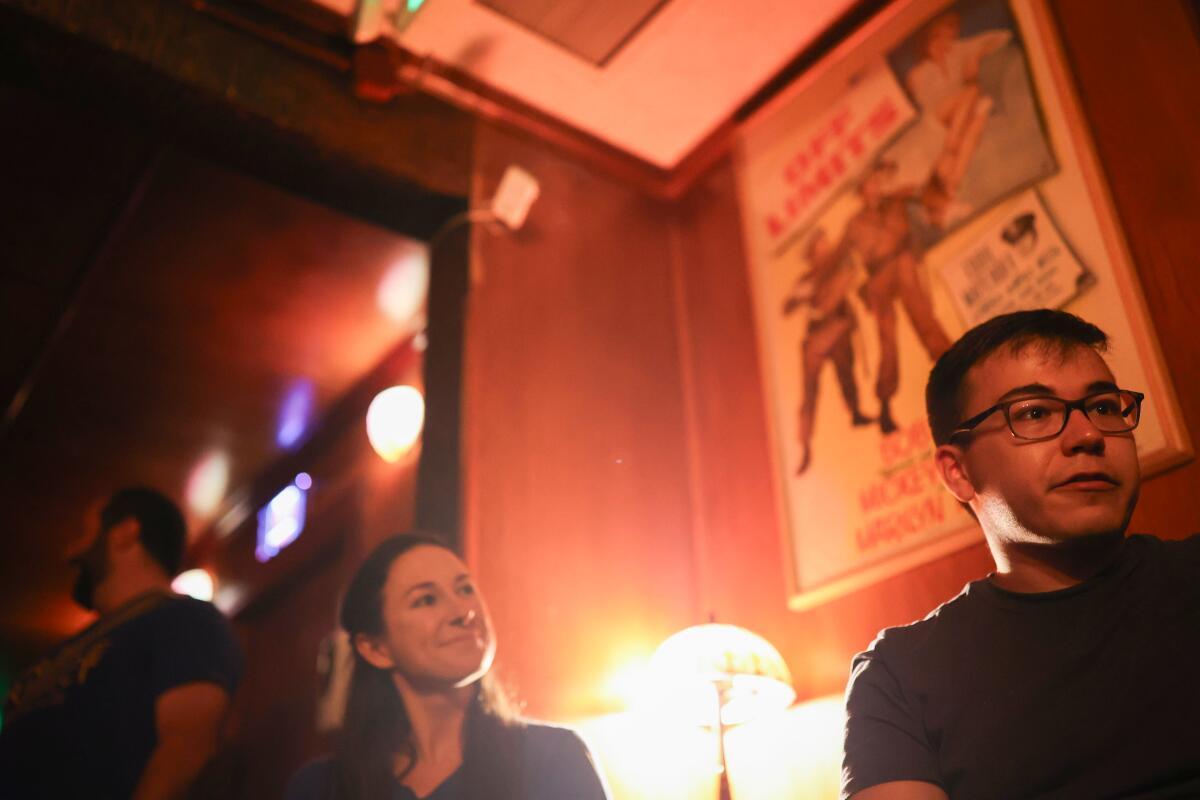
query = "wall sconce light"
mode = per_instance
[
  {"x": 395, "y": 419},
  {"x": 720, "y": 675}
]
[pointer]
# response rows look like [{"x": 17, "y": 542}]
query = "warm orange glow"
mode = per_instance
[
  {"x": 207, "y": 483},
  {"x": 627, "y": 686},
  {"x": 401, "y": 293},
  {"x": 646, "y": 757},
  {"x": 395, "y": 419},
  {"x": 791, "y": 755}
]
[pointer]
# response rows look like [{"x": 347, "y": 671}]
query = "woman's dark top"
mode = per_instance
[{"x": 557, "y": 766}]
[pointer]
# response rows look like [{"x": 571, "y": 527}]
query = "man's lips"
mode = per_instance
[{"x": 1094, "y": 481}]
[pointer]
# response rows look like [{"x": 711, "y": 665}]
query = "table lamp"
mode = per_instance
[{"x": 720, "y": 675}]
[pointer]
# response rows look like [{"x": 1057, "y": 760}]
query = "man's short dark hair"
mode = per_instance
[
  {"x": 163, "y": 531},
  {"x": 944, "y": 393}
]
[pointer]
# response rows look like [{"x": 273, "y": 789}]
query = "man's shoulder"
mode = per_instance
[
  {"x": 945, "y": 624},
  {"x": 1171, "y": 562},
  {"x": 1188, "y": 545},
  {"x": 192, "y": 642},
  {"x": 181, "y": 606},
  {"x": 178, "y": 615}
]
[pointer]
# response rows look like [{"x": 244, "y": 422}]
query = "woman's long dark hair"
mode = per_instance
[{"x": 377, "y": 728}]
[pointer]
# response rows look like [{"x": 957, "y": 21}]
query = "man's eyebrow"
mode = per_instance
[
  {"x": 1029, "y": 388},
  {"x": 1043, "y": 389}
]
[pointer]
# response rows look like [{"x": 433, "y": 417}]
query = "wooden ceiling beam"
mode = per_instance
[{"x": 210, "y": 84}]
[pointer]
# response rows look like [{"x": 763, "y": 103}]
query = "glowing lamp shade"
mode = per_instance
[
  {"x": 395, "y": 419},
  {"x": 197, "y": 583},
  {"x": 723, "y": 674},
  {"x": 744, "y": 669}
]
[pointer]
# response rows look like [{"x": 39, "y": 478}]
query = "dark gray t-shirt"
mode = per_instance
[
  {"x": 1087, "y": 692},
  {"x": 81, "y": 722}
]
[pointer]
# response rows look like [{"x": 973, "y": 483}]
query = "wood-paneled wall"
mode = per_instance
[
  {"x": 578, "y": 515},
  {"x": 1137, "y": 68},
  {"x": 618, "y": 483}
]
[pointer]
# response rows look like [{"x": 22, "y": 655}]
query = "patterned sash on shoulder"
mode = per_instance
[{"x": 47, "y": 682}]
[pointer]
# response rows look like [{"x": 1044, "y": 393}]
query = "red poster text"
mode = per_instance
[{"x": 830, "y": 155}]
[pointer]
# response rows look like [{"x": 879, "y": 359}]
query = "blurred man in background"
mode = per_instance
[{"x": 133, "y": 705}]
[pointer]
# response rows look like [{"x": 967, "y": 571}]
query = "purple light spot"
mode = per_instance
[{"x": 295, "y": 414}]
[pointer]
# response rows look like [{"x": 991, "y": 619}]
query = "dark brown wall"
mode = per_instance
[{"x": 618, "y": 482}]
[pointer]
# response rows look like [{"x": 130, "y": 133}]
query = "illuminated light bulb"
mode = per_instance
[
  {"x": 395, "y": 419},
  {"x": 402, "y": 291},
  {"x": 303, "y": 481},
  {"x": 207, "y": 483},
  {"x": 197, "y": 583}
]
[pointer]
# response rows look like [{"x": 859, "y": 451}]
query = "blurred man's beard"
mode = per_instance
[
  {"x": 93, "y": 569},
  {"x": 84, "y": 589}
]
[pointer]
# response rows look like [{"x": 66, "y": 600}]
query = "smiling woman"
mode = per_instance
[{"x": 424, "y": 718}]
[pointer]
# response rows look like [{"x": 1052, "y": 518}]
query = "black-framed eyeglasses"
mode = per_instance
[{"x": 1044, "y": 417}]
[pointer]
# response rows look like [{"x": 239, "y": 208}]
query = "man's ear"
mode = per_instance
[
  {"x": 372, "y": 651},
  {"x": 949, "y": 460},
  {"x": 124, "y": 536}
]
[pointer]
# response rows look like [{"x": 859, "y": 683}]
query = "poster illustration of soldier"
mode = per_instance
[
  {"x": 855, "y": 327},
  {"x": 904, "y": 191},
  {"x": 875, "y": 255}
]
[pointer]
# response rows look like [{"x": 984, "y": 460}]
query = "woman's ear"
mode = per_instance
[
  {"x": 952, "y": 469},
  {"x": 373, "y": 651}
]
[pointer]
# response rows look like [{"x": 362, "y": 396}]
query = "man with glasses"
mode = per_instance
[{"x": 1066, "y": 672}]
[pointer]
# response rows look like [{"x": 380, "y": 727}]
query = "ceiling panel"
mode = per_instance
[
  {"x": 684, "y": 73},
  {"x": 591, "y": 30}
]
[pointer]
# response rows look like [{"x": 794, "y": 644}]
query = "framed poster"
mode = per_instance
[{"x": 933, "y": 171}]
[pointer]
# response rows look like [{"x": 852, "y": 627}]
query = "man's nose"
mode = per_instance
[{"x": 1081, "y": 434}]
